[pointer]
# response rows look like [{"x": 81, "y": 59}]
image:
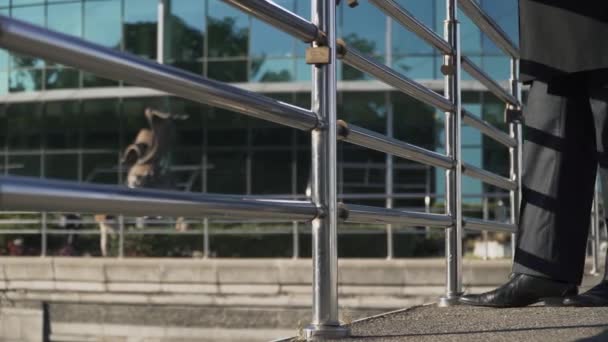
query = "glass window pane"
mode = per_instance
[
  {"x": 62, "y": 124},
  {"x": 140, "y": 28},
  {"x": 59, "y": 78},
  {"x": 25, "y": 164},
  {"x": 25, "y": 122},
  {"x": 228, "y": 30},
  {"x": 65, "y": 18},
  {"x": 234, "y": 71},
  {"x": 100, "y": 124},
  {"x": 497, "y": 67},
  {"x": 416, "y": 67},
  {"x": 227, "y": 173},
  {"x": 91, "y": 80},
  {"x": 505, "y": 14},
  {"x": 33, "y": 15},
  {"x": 100, "y": 168},
  {"x": 364, "y": 24},
  {"x": 470, "y": 36},
  {"x": 61, "y": 166},
  {"x": 3, "y": 82},
  {"x": 267, "y": 41},
  {"x": 25, "y": 80},
  {"x": 184, "y": 34},
  {"x": 403, "y": 40},
  {"x": 271, "y": 70},
  {"x": 271, "y": 172},
  {"x": 102, "y": 22}
]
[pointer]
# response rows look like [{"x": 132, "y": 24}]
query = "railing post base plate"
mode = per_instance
[
  {"x": 317, "y": 332},
  {"x": 446, "y": 301}
]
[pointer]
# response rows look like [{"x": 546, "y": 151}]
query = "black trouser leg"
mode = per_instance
[
  {"x": 560, "y": 165},
  {"x": 599, "y": 106}
]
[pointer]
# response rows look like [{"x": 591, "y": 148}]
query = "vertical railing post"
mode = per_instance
[
  {"x": 390, "y": 249},
  {"x": 515, "y": 153},
  {"x": 160, "y": 31},
  {"x": 453, "y": 239},
  {"x": 325, "y": 323}
]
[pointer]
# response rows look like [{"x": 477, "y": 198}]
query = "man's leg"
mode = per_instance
[
  {"x": 559, "y": 171},
  {"x": 598, "y": 98},
  {"x": 559, "y": 175}
]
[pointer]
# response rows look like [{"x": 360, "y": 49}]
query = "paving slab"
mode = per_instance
[{"x": 465, "y": 323}]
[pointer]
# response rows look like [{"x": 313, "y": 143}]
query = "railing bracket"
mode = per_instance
[{"x": 513, "y": 114}]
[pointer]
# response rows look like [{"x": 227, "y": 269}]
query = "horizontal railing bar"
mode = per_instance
[
  {"x": 485, "y": 225},
  {"x": 488, "y": 129},
  {"x": 24, "y": 193},
  {"x": 489, "y": 83},
  {"x": 380, "y": 142},
  {"x": 488, "y": 177},
  {"x": 395, "y": 11},
  {"x": 280, "y": 18},
  {"x": 20, "y": 231},
  {"x": 488, "y": 26},
  {"x": 379, "y": 215},
  {"x": 391, "y": 77},
  {"x": 32, "y": 40}
]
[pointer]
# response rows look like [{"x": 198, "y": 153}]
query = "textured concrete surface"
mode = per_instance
[
  {"x": 21, "y": 324},
  {"x": 463, "y": 323}
]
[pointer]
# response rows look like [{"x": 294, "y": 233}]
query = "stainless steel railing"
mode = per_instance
[{"x": 324, "y": 212}]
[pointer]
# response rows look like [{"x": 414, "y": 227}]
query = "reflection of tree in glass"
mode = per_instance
[
  {"x": 365, "y": 46},
  {"x": 269, "y": 75},
  {"x": 182, "y": 43},
  {"x": 225, "y": 39},
  {"x": 140, "y": 38}
]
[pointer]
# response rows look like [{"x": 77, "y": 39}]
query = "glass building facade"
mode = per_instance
[{"x": 59, "y": 122}]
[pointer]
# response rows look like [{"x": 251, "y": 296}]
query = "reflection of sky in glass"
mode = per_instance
[
  {"x": 274, "y": 70},
  {"x": 268, "y": 41},
  {"x": 65, "y": 18},
  {"x": 137, "y": 11},
  {"x": 364, "y": 22},
  {"x": 404, "y": 41},
  {"x": 102, "y": 22},
  {"x": 192, "y": 12}
]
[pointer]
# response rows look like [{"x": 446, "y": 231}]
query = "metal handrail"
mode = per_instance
[
  {"x": 488, "y": 26},
  {"x": 280, "y": 18},
  {"x": 485, "y": 225},
  {"x": 488, "y": 177},
  {"x": 395, "y": 11},
  {"x": 488, "y": 129},
  {"x": 391, "y": 77},
  {"x": 378, "y": 215},
  {"x": 26, "y": 193},
  {"x": 380, "y": 142},
  {"x": 29, "y": 39},
  {"x": 493, "y": 87}
]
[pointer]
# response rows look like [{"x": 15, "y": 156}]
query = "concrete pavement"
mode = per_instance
[{"x": 471, "y": 324}]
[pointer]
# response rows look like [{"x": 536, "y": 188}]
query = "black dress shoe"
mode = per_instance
[
  {"x": 521, "y": 290},
  {"x": 596, "y": 296}
]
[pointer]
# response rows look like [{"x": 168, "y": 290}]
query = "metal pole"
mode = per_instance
[
  {"x": 294, "y": 191},
  {"x": 325, "y": 322},
  {"x": 453, "y": 237},
  {"x": 389, "y": 178},
  {"x": 390, "y": 250},
  {"x": 206, "y": 250},
  {"x": 160, "y": 32},
  {"x": 486, "y": 216},
  {"x": 515, "y": 154},
  {"x": 121, "y": 236}
]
